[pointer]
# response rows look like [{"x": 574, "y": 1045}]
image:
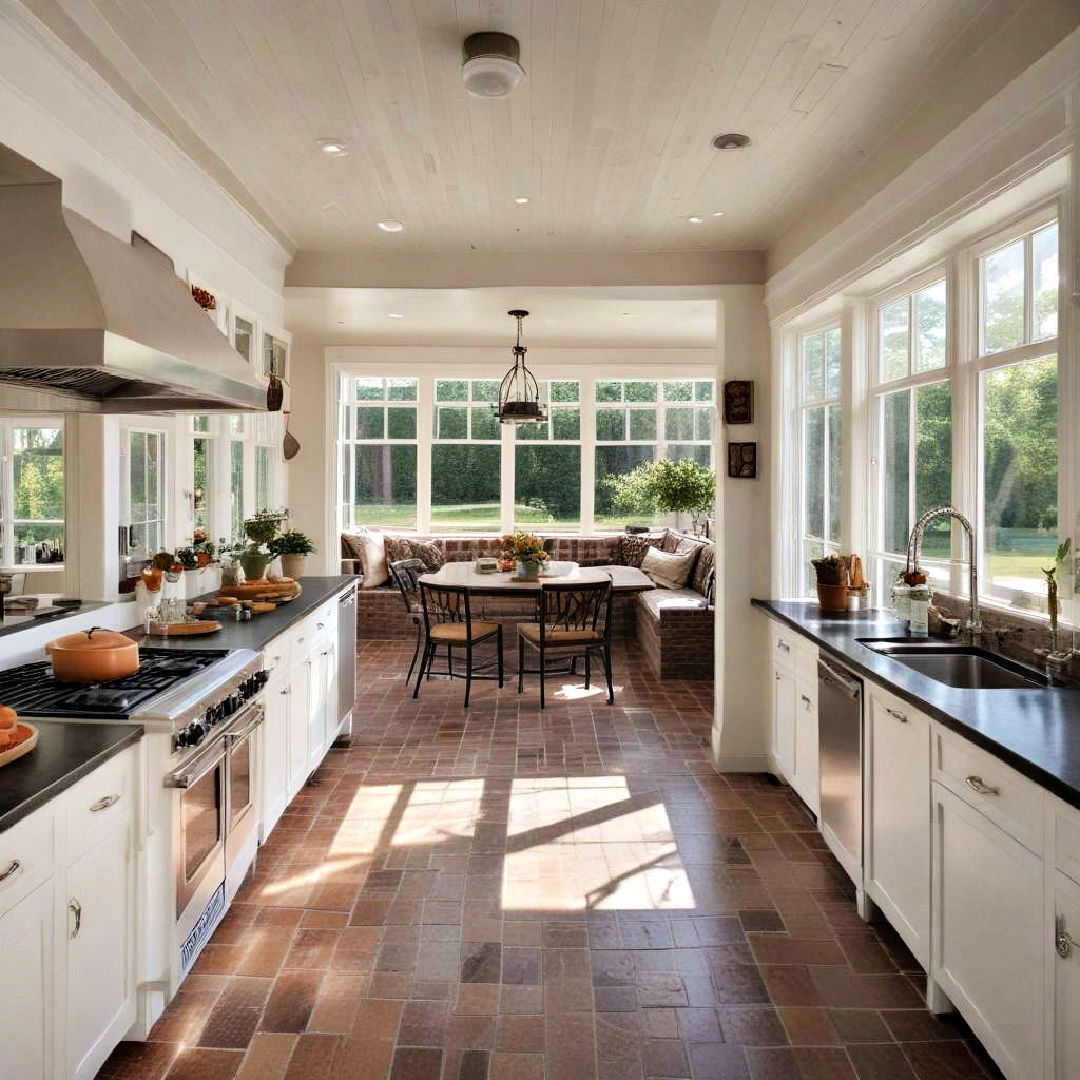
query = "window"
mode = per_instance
[
  {"x": 821, "y": 434},
  {"x": 378, "y": 451},
  {"x": 244, "y": 337},
  {"x": 202, "y": 482},
  {"x": 237, "y": 511},
  {"x": 466, "y": 457},
  {"x": 639, "y": 420},
  {"x": 912, "y": 334},
  {"x": 1019, "y": 292},
  {"x": 145, "y": 493},
  {"x": 32, "y": 492},
  {"x": 265, "y": 455},
  {"x": 547, "y": 463},
  {"x": 275, "y": 357}
]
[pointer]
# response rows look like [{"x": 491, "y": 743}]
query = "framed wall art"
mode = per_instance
[
  {"x": 742, "y": 460},
  {"x": 739, "y": 402}
]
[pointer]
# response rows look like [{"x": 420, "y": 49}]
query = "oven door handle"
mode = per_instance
[
  {"x": 185, "y": 778},
  {"x": 234, "y": 737}
]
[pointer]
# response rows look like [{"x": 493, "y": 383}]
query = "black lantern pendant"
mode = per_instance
[{"x": 519, "y": 394}]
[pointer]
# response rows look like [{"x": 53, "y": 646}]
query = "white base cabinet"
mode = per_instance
[
  {"x": 896, "y": 865},
  {"x": 1065, "y": 976},
  {"x": 794, "y": 734},
  {"x": 989, "y": 944}
]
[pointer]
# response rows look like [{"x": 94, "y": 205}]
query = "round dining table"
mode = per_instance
[{"x": 504, "y": 584}]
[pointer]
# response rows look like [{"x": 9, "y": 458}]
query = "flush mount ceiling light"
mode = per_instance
[
  {"x": 521, "y": 200},
  {"x": 519, "y": 395},
  {"x": 491, "y": 67},
  {"x": 732, "y": 140},
  {"x": 333, "y": 147},
  {"x": 391, "y": 224}
]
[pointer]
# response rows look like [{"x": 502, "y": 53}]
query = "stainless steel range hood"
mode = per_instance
[{"x": 104, "y": 325}]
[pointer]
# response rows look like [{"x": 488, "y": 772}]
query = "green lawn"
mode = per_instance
[{"x": 461, "y": 517}]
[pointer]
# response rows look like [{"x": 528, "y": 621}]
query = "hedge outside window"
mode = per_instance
[{"x": 547, "y": 463}]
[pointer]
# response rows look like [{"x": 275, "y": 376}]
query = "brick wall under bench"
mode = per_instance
[{"x": 677, "y": 644}]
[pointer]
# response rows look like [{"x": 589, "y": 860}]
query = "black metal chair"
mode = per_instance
[
  {"x": 575, "y": 622},
  {"x": 448, "y": 621},
  {"x": 405, "y": 573}
]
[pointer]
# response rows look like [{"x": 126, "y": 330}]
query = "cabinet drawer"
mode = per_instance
[
  {"x": 1010, "y": 800},
  {"x": 323, "y": 621},
  {"x": 100, "y": 801},
  {"x": 806, "y": 657},
  {"x": 784, "y": 643},
  {"x": 1065, "y": 822},
  {"x": 26, "y": 857},
  {"x": 276, "y": 653}
]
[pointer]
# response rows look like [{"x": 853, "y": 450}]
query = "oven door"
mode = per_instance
[
  {"x": 242, "y": 787},
  {"x": 201, "y": 824}
]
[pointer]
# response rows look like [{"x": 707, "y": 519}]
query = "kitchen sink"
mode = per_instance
[{"x": 965, "y": 667}]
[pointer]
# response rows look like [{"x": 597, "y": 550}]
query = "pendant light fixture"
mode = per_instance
[{"x": 519, "y": 394}]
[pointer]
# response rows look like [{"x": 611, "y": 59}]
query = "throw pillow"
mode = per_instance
[
  {"x": 429, "y": 551},
  {"x": 703, "y": 569},
  {"x": 372, "y": 559},
  {"x": 669, "y": 571},
  {"x": 632, "y": 547},
  {"x": 351, "y": 547}
]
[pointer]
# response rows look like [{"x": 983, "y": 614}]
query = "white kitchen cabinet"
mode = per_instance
[
  {"x": 896, "y": 865},
  {"x": 807, "y": 753},
  {"x": 299, "y": 719},
  {"x": 275, "y": 753},
  {"x": 27, "y": 988},
  {"x": 320, "y": 701},
  {"x": 100, "y": 998},
  {"x": 783, "y": 720},
  {"x": 989, "y": 938},
  {"x": 1065, "y": 976}
]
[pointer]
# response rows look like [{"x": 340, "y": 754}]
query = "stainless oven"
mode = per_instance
[{"x": 214, "y": 811}]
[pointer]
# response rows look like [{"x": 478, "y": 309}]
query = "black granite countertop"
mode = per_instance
[
  {"x": 13, "y": 621},
  {"x": 1036, "y": 731},
  {"x": 66, "y": 752},
  {"x": 260, "y": 629}
]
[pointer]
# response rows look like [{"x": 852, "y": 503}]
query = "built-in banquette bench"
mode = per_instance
[{"x": 674, "y": 627}]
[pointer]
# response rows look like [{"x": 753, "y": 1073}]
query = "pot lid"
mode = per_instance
[{"x": 93, "y": 640}]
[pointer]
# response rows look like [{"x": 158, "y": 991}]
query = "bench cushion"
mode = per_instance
[{"x": 660, "y": 602}]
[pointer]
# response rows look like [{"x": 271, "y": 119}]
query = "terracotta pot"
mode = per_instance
[
  {"x": 293, "y": 565},
  {"x": 93, "y": 656},
  {"x": 832, "y": 597}
]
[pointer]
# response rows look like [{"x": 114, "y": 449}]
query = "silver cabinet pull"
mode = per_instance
[
  {"x": 807, "y": 702},
  {"x": 1064, "y": 942},
  {"x": 104, "y": 803},
  {"x": 977, "y": 784},
  {"x": 783, "y": 645},
  {"x": 897, "y": 715},
  {"x": 777, "y": 676},
  {"x": 11, "y": 868},
  {"x": 320, "y": 626},
  {"x": 76, "y": 909}
]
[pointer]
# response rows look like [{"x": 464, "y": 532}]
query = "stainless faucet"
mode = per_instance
[{"x": 973, "y": 625}]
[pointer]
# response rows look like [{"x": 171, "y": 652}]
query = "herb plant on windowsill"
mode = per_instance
[{"x": 260, "y": 529}]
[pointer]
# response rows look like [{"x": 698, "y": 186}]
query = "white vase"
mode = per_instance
[{"x": 292, "y": 566}]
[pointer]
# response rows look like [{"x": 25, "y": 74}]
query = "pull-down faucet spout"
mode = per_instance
[{"x": 914, "y": 550}]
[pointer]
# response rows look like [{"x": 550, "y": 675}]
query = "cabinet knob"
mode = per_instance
[
  {"x": 807, "y": 702},
  {"x": 104, "y": 803},
  {"x": 897, "y": 715},
  {"x": 977, "y": 784},
  {"x": 1064, "y": 942},
  {"x": 76, "y": 909},
  {"x": 777, "y": 676},
  {"x": 11, "y": 869},
  {"x": 783, "y": 646}
]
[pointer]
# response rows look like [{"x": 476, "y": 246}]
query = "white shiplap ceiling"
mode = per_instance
[{"x": 608, "y": 135}]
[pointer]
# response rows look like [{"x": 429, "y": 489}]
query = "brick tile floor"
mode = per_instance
[{"x": 506, "y": 894}]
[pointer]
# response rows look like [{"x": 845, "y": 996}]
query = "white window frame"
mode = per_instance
[
  {"x": 830, "y": 546},
  {"x": 165, "y": 485},
  {"x": 428, "y": 372},
  {"x": 8, "y": 521}
]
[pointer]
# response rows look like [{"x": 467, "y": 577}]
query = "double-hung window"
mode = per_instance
[
  {"x": 202, "y": 472},
  {"x": 145, "y": 492},
  {"x": 547, "y": 462},
  {"x": 466, "y": 457},
  {"x": 378, "y": 425},
  {"x": 821, "y": 447},
  {"x": 911, "y": 452},
  {"x": 1017, "y": 372},
  {"x": 31, "y": 492}
]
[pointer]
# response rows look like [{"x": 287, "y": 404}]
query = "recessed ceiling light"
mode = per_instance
[
  {"x": 629, "y": 314},
  {"x": 394, "y": 315},
  {"x": 695, "y": 220},
  {"x": 391, "y": 224},
  {"x": 333, "y": 147},
  {"x": 718, "y": 213},
  {"x": 521, "y": 200},
  {"x": 731, "y": 140}
]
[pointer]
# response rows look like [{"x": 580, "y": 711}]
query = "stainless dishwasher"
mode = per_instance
[
  {"x": 346, "y": 662},
  {"x": 840, "y": 730}
]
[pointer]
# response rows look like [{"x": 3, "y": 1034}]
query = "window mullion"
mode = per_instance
[
  {"x": 425, "y": 420},
  {"x": 587, "y": 437}
]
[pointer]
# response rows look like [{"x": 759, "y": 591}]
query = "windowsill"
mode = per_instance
[{"x": 34, "y": 568}]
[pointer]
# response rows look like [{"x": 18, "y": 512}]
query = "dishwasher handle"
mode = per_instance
[{"x": 846, "y": 684}]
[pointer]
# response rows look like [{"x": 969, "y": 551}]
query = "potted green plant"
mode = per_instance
[
  {"x": 670, "y": 487},
  {"x": 294, "y": 548},
  {"x": 527, "y": 550},
  {"x": 260, "y": 529}
]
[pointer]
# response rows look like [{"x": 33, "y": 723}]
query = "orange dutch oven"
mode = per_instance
[{"x": 93, "y": 656}]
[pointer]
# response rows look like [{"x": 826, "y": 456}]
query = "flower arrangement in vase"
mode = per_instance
[{"x": 526, "y": 550}]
